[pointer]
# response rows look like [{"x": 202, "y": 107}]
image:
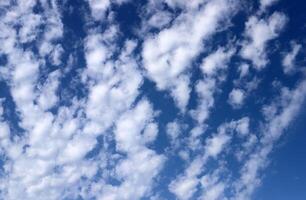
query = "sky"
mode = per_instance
[{"x": 152, "y": 100}]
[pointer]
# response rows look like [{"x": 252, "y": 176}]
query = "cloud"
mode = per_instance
[
  {"x": 137, "y": 171},
  {"x": 244, "y": 70},
  {"x": 258, "y": 32},
  {"x": 288, "y": 105},
  {"x": 236, "y": 98},
  {"x": 160, "y": 19},
  {"x": 48, "y": 160},
  {"x": 85, "y": 122},
  {"x": 288, "y": 61},
  {"x": 266, "y": 3},
  {"x": 214, "y": 192},
  {"x": 98, "y": 8},
  {"x": 185, "y": 184},
  {"x": 169, "y": 54},
  {"x": 243, "y": 126},
  {"x": 173, "y": 130},
  {"x": 216, "y": 61},
  {"x": 213, "y": 68}
]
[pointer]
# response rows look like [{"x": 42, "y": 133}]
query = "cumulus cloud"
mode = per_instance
[
  {"x": 216, "y": 61},
  {"x": 258, "y": 33},
  {"x": 98, "y": 8},
  {"x": 83, "y": 121},
  {"x": 160, "y": 19},
  {"x": 243, "y": 126},
  {"x": 169, "y": 54}
]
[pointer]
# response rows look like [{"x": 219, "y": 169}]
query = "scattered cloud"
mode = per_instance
[
  {"x": 289, "y": 58},
  {"x": 236, "y": 98},
  {"x": 95, "y": 120},
  {"x": 258, "y": 32}
]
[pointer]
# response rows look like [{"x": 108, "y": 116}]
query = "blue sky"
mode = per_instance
[{"x": 152, "y": 100}]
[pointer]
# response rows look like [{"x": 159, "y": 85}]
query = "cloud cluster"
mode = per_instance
[
  {"x": 168, "y": 56},
  {"x": 82, "y": 122},
  {"x": 258, "y": 33}
]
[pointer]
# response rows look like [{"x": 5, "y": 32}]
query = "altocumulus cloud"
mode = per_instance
[{"x": 156, "y": 99}]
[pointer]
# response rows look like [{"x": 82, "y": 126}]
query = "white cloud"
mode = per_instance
[
  {"x": 216, "y": 61},
  {"x": 47, "y": 161},
  {"x": 116, "y": 83},
  {"x": 184, "y": 188},
  {"x": 243, "y": 126},
  {"x": 130, "y": 125},
  {"x": 244, "y": 70},
  {"x": 288, "y": 61},
  {"x": 28, "y": 32},
  {"x": 213, "y": 68},
  {"x": 181, "y": 4},
  {"x": 160, "y": 19},
  {"x": 169, "y": 54},
  {"x": 214, "y": 192},
  {"x": 181, "y": 91},
  {"x": 287, "y": 106},
  {"x": 185, "y": 185},
  {"x": 173, "y": 130},
  {"x": 56, "y": 55},
  {"x": 150, "y": 133},
  {"x": 138, "y": 170},
  {"x": 98, "y": 8},
  {"x": 4, "y": 131},
  {"x": 236, "y": 98},
  {"x": 48, "y": 98},
  {"x": 216, "y": 144},
  {"x": 205, "y": 89},
  {"x": 258, "y": 33},
  {"x": 103, "y": 145},
  {"x": 266, "y": 3},
  {"x": 212, "y": 185}
]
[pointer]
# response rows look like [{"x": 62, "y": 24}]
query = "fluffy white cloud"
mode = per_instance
[
  {"x": 169, "y": 54},
  {"x": 48, "y": 160},
  {"x": 214, "y": 192},
  {"x": 185, "y": 186},
  {"x": 258, "y": 33},
  {"x": 215, "y": 144},
  {"x": 160, "y": 19},
  {"x": 236, "y": 98},
  {"x": 100, "y": 140},
  {"x": 137, "y": 171},
  {"x": 98, "y": 8},
  {"x": 205, "y": 90},
  {"x": 243, "y": 126},
  {"x": 216, "y": 61},
  {"x": 48, "y": 97}
]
